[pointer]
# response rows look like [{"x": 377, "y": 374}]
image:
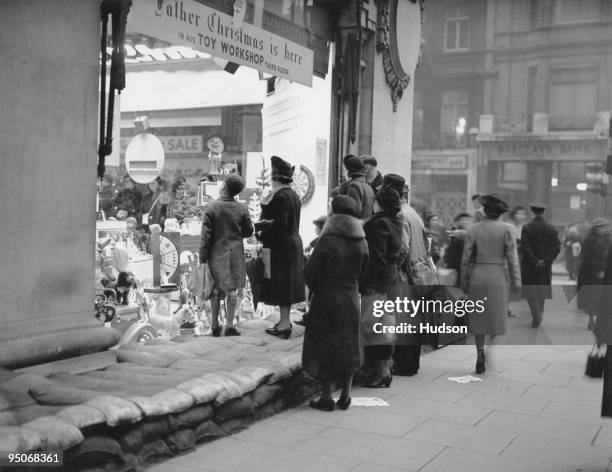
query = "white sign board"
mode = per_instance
[
  {"x": 189, "y": 23},
  {"x": 184, "y": 144}
]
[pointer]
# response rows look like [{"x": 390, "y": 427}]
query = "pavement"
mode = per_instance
[{"x": 533, "y": 411}]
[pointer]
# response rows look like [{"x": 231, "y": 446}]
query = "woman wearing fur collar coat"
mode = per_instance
[{"x": 332, "y": 343}]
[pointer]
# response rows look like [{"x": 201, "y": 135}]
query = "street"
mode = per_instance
[{"x": 534, "y": 411}]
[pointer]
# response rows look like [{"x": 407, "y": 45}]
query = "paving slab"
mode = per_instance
[
  {"x": 372, "y": 448},
  {"x": 502, "y": 401},
  {"x": 553, "y": 428},
  {"x": 560, "y": 453},
  {"x": 474, "y": 438},
  {"x": 459, "y": 460}
]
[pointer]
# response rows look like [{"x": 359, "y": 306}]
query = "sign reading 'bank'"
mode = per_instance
[{"x": 191, "y": 24}]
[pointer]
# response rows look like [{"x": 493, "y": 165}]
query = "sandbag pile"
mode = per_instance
[{"x": 157, "y": 401}]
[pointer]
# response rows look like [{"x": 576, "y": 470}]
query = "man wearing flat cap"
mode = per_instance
[
  {"x": 357, "y": 188},
  {"x": 540, "y": 246},
  {"x": 373, "y": 176}
]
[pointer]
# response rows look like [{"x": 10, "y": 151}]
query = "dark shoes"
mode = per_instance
[
  {"x": 343, "y": 403},
  {"x": 216, "y": 332},
  {"x": 480, "y": 363},
  {"x": 380, "y": 382},
  {"x": 231, "y": 331},
  {"x": 323, "y": 404},
  {"x": 281, "y": 333}
]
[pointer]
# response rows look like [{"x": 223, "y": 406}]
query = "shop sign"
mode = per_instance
[
  {"x": 189, "y": 23},
  {"x": 545, "y": 150},
  {"x": 321, "y": 162},
  {"x": 458, "y": 162},
  {"x": 188, "y": 144}
]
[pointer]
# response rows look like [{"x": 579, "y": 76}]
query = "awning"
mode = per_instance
[{"x": 209, "y": 87}]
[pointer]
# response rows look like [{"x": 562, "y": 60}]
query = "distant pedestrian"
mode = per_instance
[
  {"x": 593, "y": 266},
  {"x": 129, "y": 198},
  {"x": 540, "y": 246},
  {"x": 332, "y": 349},
  {"x": 282, "y": 252},
  {"x": 478, "y": 214},
  {"x": 572, "y": 247},
  {"x": 603, "y": 332},
  {"x": 454, "y": 252},
  {"x": 107, "y": 196},
  {"x": 489, "y": 252},
  {"x": 356, "y": 187},
  {"x": 373, "y": 176},
  {"x": 225, "y": 224}
]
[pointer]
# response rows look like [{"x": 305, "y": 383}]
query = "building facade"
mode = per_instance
[
  {"x": 448, "y": 103},
  {"x": 546, "y": 103}
]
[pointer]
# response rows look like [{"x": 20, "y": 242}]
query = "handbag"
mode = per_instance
[
  {"x": 369, "y": 320},
  {"x": 209, "y": 282},
  {"x": 595, "y": 361}
]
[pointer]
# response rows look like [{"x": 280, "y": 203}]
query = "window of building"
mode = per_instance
[
  {"x": 456, "y": 29},
  {"x": 572, "y": 99},
  {"x": 570, "y": 11},
  {"x": 454, "y": 110}
]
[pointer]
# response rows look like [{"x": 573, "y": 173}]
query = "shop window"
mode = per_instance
[
  {"x": 456, "y": 29},
  {"x": 571, "y": 11},
  {"x": 512, "y": 175}
]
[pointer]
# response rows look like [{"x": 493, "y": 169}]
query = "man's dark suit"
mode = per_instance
[{"x": 540, "y": 246}]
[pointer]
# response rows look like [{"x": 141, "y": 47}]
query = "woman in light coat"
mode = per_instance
[{"x": 489, "y": 265}]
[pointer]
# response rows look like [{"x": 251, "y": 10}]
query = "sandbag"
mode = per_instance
[
  {"x": 235, "y": 408},
  {"x": 57, "y": 434},
  {"x": 202, "y": 390},
  {"x": 203, "y": 366},
  {"x": 293, "y": 361},
  {"x": 194, "y": 416},
  {"x": 10, "y": 399},
  {"x": 245, "y": 383},
  {"x": 154, "y": 451},
  {"x": 168, "y": 352},
  {"x": 198, "y": 347},
  {"x": 22, "y": 383},
  {"x": 154, "y": 428},
  {"x": 95, "y": 451},
  {"x": 156, "y": 382},
  {"x": 264, "y": 394},
  {"x": 258, "y": 374},
  {"x": 27, "y": 413},
  {"x": 280, "y": 371},
  {"x": 230, "y": 388},
  {"x": 234, "y": 425},
  {"x": 169, "y": 401},
  {"x": 131, "y": 440},
  {"x": 82, "y": 416},
  {"x": 18, "y": 439},
  {"x": 56, "y": 394},
  {"x": 207, "y": 431},
  {"x": 144, "y": 358},
  {"x": 89, "y": 382},
  {"x": 180, "y": 440},
  {"x": 116, "y": 410}
]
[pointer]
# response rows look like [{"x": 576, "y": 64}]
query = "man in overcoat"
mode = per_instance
[{"x": 540, "y": 246}]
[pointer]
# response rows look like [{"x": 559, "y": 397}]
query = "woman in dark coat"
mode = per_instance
[
  {"x": 603, "y": 331},
  {"x": 593, "y": 266},
  {"x": 282, "y": 249},
  {"x": 384, "y": 236},
  {"x": 488, "y": 266},
  {"x": 332, "y": 344},
  {"x": 224, "y": 225}
]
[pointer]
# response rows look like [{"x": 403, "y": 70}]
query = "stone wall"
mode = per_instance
[{"x": 48, "y": 122}]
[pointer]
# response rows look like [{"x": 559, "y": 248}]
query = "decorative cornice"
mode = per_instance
[{"x": 386, "y": 44}]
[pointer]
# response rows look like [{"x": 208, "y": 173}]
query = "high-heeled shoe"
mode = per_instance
[
  {"x": 343, "y": 403},
  {"x": 323, "y": 404},
  {"x": 480, "y": 363},
  {"x": 281, "y": 333},
  {"x": 381, "y": 382}
]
